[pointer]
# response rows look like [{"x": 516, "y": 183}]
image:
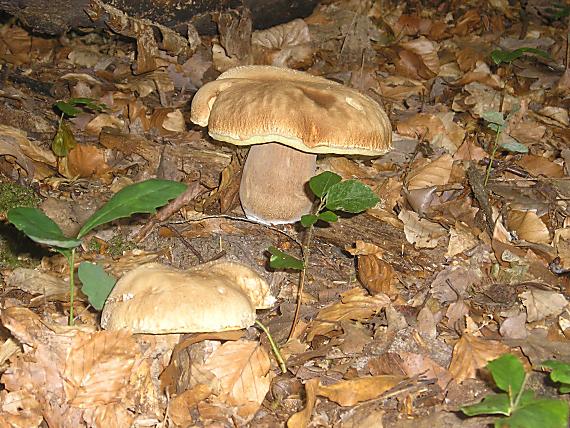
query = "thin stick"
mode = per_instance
[{"x": 274, "y": 347}]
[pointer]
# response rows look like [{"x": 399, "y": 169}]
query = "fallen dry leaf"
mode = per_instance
[
  {"x": 435, "y": 173},
  {"x": 102, "y": 355},
  {"x": 421, "y": 232},
  {"x": 375, "y": 274},
  {"x": 540, "y": 304},
  {"x": 472, "y": 353},
  {"x": 242, "y": 370},
  {"x": 354, "y": 305},
  {"x": 351, "y": 392},
  {"x": 301, "y": 419},
  {"x": 416, "y": 364},
  {"x": 460, "y": 239},
  {"x": 528, "y": 226}
]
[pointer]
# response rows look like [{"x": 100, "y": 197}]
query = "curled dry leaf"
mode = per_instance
[
  {"x": 84, "y": 160},
  {"x": 242, "y": 370},
  {"x": 174, "y": 121},
  {"x": 301, "y": 419},
  {"x": 472, "y": 353},
  {"x": 561, "y": 244},
  {"x": 419, "y": 58},
  {"x": 528, "y": 226},
  {"x": 460, "y": 239},
  {"x": 421, "y": 232},
  {"x": 351, "y": 392},
  {"x": 354, "y": 305},
  {"x": 514, "y": 327},
  {"x": 435, "y": 173},
  {"x": 11, "y": 140},
  {"x": 540, "y": 304},
  {"x": 398, "y": 88},
  {"x": 285, "y": 45},
  {"x": 19, "y": 410},
  {"x": 101, "y": 121},
  {"x": 438, "y": 128},
  {"x": 540, "y": 166},
  {"x": 416, "y": 364},
  {"x": 374, "y": 273}
]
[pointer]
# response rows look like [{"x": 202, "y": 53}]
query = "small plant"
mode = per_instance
[
  {"x": 500, "y": 56},
  {"x": 498, "y": 123},
  {"x": 520, "y": 406},
  {"x": 349, "y": 196},
  {"x": 143, "y": 197},
  {"x": 64, "y": 141},
  {"x": 560, "y": 373}
]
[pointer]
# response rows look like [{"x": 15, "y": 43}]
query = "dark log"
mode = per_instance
[{"x": 55, "y": 17}]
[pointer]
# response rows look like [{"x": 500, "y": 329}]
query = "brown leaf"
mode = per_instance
[
  {"x": 472, "y": 353},
  {"x": 419, "y": 60},
  {"x": 180, "y": 407},
  {"x": 528, "y": 226},
  {"x": 375, "y": 274},
  {"x": 351, "y": 392},
  {"x": 354, "y": 305},
  {"x": 416, "y": 364},
  {"x": 540, "y": 304},
  {"x": 460, "y": 239},
  {"x": 301, "y": 419},
  {"x": 435, "y": 173},
  {"x": 421, "y": 232},
  {"x": 98, "y": 368},
  {"x": 84, "y": 161},
  {"x": 242, "y": 368}
]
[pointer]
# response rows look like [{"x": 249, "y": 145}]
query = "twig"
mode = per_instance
[
  {"x": 193, "y": 190},
  {"x": 274, "y": 347}
]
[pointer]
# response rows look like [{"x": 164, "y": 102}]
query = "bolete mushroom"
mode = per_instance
[
  {"x": 212, "y": 297},
  {"x": 288, "y": 117}
]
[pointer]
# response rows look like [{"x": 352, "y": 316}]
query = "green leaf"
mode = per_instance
[
  {"x": 541, "y": 413},
  {"x": 308, "y": 220},
  {"x": 511, "y": 145},
  {"x": 495, "y": 404},
  {"x": 97, "y": 284},
  {"x": 320, "y": 184},
  {"x": 500, "y": 56},
  {"x": 350, "y": 196},
  {"x": 560, "y": 373},
  {"x": 495, "y": 117},
  {"x": 281, "y": 260},
  {"x": 508, "y": 374},
  {"x": 328, "y": 216},
  {"x": 63, "y": 141},
  {"x": 67, "y": 109},
  {"x": 40, "y": 228},
  {"x": 143, "y": 197}
]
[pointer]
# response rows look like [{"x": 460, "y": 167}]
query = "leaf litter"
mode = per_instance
[{"x": 464, "y": 258}]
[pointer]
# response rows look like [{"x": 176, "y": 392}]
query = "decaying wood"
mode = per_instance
[{"x": 58, "y": 16}]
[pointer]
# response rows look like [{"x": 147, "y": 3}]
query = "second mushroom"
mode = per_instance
[{"x": 288, "y": 117}]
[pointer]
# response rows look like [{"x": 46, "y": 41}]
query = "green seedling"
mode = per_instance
[
  {"x": 333, "y": 194},
  {"x": 558, "y": 11},
  {"x": 560, "y": 373},
  {"x": 500, "y": 56},
  {"x": 519, "y": 405},
  {"x": 64, "y": 140},
  {"x": 497, "y": 122},
  {"x": 143, "y": 197}
]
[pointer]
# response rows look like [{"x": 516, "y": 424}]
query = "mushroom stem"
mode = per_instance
[{"x": 273, "y": 187}]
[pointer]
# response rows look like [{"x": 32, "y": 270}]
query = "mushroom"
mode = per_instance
[
  {"x": 213, "y": 297},
  {"x": 288, "y": 117}
]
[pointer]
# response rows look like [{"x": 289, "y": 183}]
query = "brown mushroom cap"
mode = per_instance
[
  {"x": 212, "y": 297},
  {"x": 260, "y": 104}
]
